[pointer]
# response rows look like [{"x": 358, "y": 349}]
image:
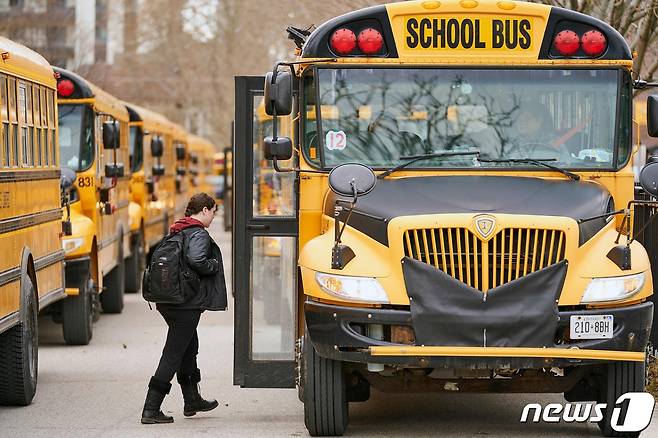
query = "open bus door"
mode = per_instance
[{"x": 264, "y": 251}]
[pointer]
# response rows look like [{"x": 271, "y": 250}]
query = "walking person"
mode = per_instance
[{"x": 204, "y": 288}]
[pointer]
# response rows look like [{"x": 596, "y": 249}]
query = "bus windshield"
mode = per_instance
[
  {"x": 380, "y": 116},
  {"x": 76, "y": 142}
]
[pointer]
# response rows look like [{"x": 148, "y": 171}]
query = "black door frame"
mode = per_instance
[{"x": 250, "y": 373}]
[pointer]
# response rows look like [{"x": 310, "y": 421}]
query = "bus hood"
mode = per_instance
[{"x": 410, "y": 196}]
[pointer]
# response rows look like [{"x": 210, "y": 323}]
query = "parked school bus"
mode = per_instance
[
  {"x": 461, "y": 212},
  {"x": 93, "y": 141},
  {"x": 200, "y": 166},
  {"x": 32, "y": 261},
  {"x": 152, "y": 187}
]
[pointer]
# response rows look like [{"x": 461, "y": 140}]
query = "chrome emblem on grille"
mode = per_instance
[{"x": 485, "y": 226}]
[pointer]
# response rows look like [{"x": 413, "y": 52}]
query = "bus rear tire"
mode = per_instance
[
  {"x": 134, "y": 265},
  {"x": 618, "y": 379},
  {"x": 19, "y": 354},
  {"x": 115, "y": 286},
  {"x": 77, "y": 315},
  {"x": 326, "y": 411}
]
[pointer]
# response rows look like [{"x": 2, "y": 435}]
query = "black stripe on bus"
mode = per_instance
[
  {"x": 9, "y": 321},
  {"x": 107, "y": 242},
  {"x": 13, "y": 274},
  {"x": 48, "y": 260},
  {"x": 29, "y": 220},
  {"x": 51, "y": 297},
  {"x": 29, "y": 175}
]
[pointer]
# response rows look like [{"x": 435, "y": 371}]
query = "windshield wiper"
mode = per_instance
[
  {"x": 536, "y": 161},
  {"x": 414, "y": 158}
]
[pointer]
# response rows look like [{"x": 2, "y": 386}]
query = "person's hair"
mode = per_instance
[{"x": 197, "y": 202}]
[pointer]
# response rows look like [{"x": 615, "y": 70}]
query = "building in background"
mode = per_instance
[{"x": 68, "y": 33}]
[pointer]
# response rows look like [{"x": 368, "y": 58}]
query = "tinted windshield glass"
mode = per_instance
[
  {"x": 76, "y": 137},
  {"x": 376, "y": 116},
  {"x": 136, "y": 148}
]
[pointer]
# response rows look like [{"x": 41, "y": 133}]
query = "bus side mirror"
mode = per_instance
[
  {"x": 277, "y": 149},
  {"x": 114, "y": 170},
  {"x": 349, "y": 180},
  {"x": 278, "y": 93},
  {"x": 652, "y": 116},
  {"x": 352, "y": 180},
  {"x": 157, "y": 148},
  {"x": 158, "y": 170},
  {"x": 649, "y": 178},
  {"x": 180, "y": 152},
  {"x": 110, "y": 135}
]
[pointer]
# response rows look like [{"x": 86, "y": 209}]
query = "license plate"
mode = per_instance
[{"x": 591, "y": 327}]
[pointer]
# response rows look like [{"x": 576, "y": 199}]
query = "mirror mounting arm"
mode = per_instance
[
  {"x": 275, "y": 164},
  {"x": 342, "y": 254}
]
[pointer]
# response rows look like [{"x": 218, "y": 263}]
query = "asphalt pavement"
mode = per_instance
[{"x": 98, "y": 391}]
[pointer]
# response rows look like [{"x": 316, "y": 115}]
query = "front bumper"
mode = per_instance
[{"x": 337, "y": 333}]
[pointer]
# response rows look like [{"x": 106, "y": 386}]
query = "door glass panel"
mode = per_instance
[
  {"x": 272, "y": 286},
  {"x": 273, "y": 192}
]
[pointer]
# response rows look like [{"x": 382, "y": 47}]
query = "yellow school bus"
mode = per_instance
[
  {"x": 93, "y": 143},
  {"x": 152, "y": 163},
  {"x": 460, "y": 221},
  {"x": 201, "y": 152},
  {"x": 32, "y": 261}
]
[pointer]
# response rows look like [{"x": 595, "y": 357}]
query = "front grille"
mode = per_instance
[{"x": 509, "y": 254}]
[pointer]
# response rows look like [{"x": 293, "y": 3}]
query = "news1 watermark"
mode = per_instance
[{"x": 638, "y": 409}]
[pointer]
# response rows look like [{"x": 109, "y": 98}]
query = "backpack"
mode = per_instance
[{"x": 166, "y": 278}]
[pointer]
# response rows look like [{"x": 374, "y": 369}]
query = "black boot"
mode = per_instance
[
  {"x": 156, "y": 393},
  {"x": 193, "y": 401}
]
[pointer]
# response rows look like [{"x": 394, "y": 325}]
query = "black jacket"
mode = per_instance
[{"x": 202, "y": 255}]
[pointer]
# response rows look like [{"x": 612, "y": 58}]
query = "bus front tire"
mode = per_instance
[
  {"x": 326, "y": 410},
  {"x": 77, "y": 315},
  {"x": 618, "y": 379},
  {"x": 115, "y": 287},
  {"x": 134, "y": 265},
  {"x": 19, "y": 354}
]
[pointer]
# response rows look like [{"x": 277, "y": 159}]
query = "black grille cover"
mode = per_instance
[{"x": 447, "y": 312}]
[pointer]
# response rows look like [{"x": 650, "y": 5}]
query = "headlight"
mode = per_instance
[
  {"x": 352, "y": 288},
  {"x": 70, "y": 245},
  {"x": 613, "y": 288}
]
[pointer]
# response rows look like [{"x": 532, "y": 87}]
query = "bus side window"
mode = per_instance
[
  {"x": 13, "y": 122},
  {"x": 36, "y": 120},
  {"x": 4, "y": 114}
]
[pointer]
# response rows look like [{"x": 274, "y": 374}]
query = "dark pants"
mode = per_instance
[{"x": 182, "y": 345}]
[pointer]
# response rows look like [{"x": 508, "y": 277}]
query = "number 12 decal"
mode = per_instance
[{"x": 335, "y": 140}]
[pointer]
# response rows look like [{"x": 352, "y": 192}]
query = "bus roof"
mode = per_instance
[
  {"x": 18, "y": 60},
  {"x": 150, "y": 119},
  {"x": 89, "y": 93},
  {"x": 464, "y": 32}
]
